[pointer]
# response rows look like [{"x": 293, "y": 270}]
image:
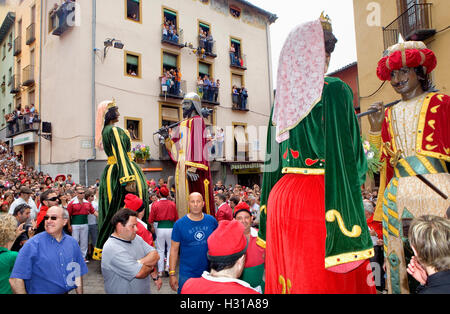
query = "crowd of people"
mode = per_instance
[
  {"x": 169, "y": 31},
  {"x": 206, "y": 41},
  {"x": 208, "y": 88},
  {"x": 171, "y": 81},
  {"x": 37, "y": 209},
  {"x": 240, "y": 95},
  {"x": 28, "y": 114}
]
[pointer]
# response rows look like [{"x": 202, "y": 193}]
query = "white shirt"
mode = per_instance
[{"x": 34, "y": 210}]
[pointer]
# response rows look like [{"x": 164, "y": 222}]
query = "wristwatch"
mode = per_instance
[{"x": 156, "y": 278}]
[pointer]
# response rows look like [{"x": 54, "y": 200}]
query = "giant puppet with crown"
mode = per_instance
[
  {"x": 312, "y": 217},
  {"x": 414, "y": 138},
  {"x": 121, "y": 175}
]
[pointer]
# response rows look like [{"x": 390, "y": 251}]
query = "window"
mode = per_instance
[
  {"x": 169, "y": 61},
  {"x": 235, "y": 11},
  {"x": 240, "y": 142},
  {"x": 134, "y": 128},
  {"x": 236, "y": 56},
  {"x": 205, "y": 69},
  {"x": 134, "y": 10},
  {"x": 132, "y": 64},
  {"x": 171, "y": 33}
]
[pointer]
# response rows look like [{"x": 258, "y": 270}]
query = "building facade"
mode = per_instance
[
  {"x": 383, "y": 22},
  {"x": 23, "y": 134},
  {"x": 6, "y": 71},
  {"x": 101, "y": 49}
]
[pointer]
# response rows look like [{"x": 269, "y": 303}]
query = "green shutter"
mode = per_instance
[
  {"x": 204, "y": 25},
  {"x": 132, "y": 60},
  {"x": 169, "y": 60},
  {"x": 170, "y": 13},
  {"x": 235, "y": 41},
  {"x": 203, "y": 68}
]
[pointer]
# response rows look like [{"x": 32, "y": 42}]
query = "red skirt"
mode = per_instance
[{"x": 296, "y": 235}]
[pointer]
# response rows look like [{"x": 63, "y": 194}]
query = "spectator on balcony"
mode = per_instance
[
  {"x": 212, "y": 90},
  {"x": 235, "y": 96},
  {"x": 243, "y": 95},
  {"x": 232, "y": 54},
  {"x": 165, "y": 31},
  {"x": 202, "y": 40},
  {"x": 175, "y": 36},
  {"x": 177, "y": 79},
  {"x": 209, "y": 42},
  {"x": 216, "y": 91},
  {"x": 206, "y": 87},
  {"x": 200, "y": 86}
]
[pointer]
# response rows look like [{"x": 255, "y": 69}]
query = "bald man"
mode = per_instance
[{"x": 189, "y": 237}]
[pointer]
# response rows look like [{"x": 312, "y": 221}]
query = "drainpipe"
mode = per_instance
[
  {"x": 40, "y": 88},
  {"x": 94, "y": 152},
  {"x": 269, "y": 56}
]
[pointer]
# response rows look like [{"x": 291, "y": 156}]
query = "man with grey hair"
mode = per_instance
[{"x": 50, "y": 262}]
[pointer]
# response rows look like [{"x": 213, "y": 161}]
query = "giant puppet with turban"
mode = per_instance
[
  {"x": 414, "y": 138},
  {"x": 121, "y": 175},
  {"x": 312, "y": 216}
]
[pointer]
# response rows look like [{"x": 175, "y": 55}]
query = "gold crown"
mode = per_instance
[
  {"x": 326, "y": 22},
  {"x": 111, "y": 104}
]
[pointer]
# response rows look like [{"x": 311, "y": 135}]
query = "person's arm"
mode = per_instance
[
  {"x": 17, "y": 286},
  {"x": 79, "y": 283},
  {"x": 173, "y": 260},
  {"x": 148, "y": 264}
]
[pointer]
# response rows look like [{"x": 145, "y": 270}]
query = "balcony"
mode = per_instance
[
  {"x": 173, "y": 38},
  {"x": 28, "y": 76},
  {"x": 65, "y": 14},
  {"x": 15, "y": 84},
  {"x": 31, "y": 34},
  {"x": 169, "y": 88},
  {"x": 17, "y": 46},
  {"x": 22, "y": 124},
  {"x": 206, "y": 48},
  {"x": 209, "y": 95},
  {"x": 238, "y": 62},
  {"x": 413, "y": 24},
  {"x": 239, "y": 100}
]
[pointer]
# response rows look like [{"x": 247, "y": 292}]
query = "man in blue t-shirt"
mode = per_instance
[{"x": 189, "y": 237}]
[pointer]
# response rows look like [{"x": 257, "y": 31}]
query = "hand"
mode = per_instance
[
  {"x": 380, "y": 242},
  {"x": 20, "y": 230},
  {"x": 376, "y": 119},
  {"x": 416, "y": 270},
  {"x": 158, "y": 283},
  {"x": 174, "y": 283},
  {"x": 192, "y": 175}
]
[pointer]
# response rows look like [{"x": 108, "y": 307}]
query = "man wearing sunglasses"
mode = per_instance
[
  {"x": 50, "y": 262},
  {"x": 48, "y": 199}
]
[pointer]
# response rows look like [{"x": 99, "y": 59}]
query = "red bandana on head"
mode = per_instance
[{"x": 410, "y": 54}]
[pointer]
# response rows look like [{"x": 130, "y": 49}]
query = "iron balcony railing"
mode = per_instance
[
  {"x": 28, "y": 75},
  {"x": 15, "y": 84},
  {"x": 413, "y": 24},
  {"x": 17, "y": 45},
  {"x": 31, "y": 34}
]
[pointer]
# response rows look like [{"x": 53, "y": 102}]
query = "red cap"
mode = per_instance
[
  {"x": 133, "y": 202},
  {"x": 164, "y": 191},
  {"x": 228, "y": 242},
  {"x": 242, "y": 206}
]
